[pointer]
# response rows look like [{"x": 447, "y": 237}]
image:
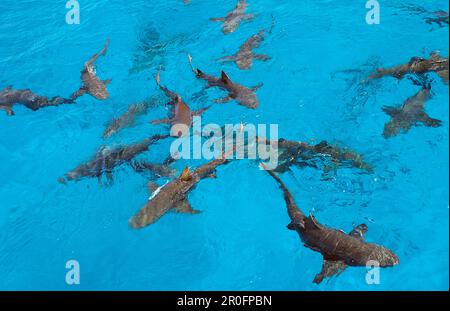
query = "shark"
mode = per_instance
[
  {"x": 128, "y": 118},
  {"x": 441, "y": 18},
  {"x": 244, "y": 57},
  {"x": 410, "y": 114},
  {"x": 173, "y": 196},
  {"x": 233, "y": 19},
  {"x": 303, "y": 154},
  {"x": 107, "y": 159},
  {"x": 92, "y": 85},
  {"x": 10, "y": 97},
  {"x": 339, "y": 249},
  {"x": 418, "y": 66},
  {"x": 180, "y": 113},
  {"x": 242, "y": 95}
]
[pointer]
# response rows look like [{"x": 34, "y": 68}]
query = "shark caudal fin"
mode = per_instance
[{"x": 296, "y": 215}]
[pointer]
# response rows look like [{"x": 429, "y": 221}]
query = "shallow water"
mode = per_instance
[{"x": 240, "y": 240}]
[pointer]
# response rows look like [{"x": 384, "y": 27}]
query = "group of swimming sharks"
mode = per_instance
[{"x": 339, "y": 249}]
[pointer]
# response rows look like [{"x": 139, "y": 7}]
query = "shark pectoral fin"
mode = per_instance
[
  {"x": 8, "y": 110},
  {"x": 294, "y": 225},
  {"x": 261, "y": 57},
  {"x": 391, "y": 111},
  {"x": 107, "y": 81},
  {"x": 359, "y": 231},
  {"x": 291, "y": 226},
  {"x": 329, "y": 269},
  {"x": 185, "y": 208},
  {"x": 256, "y": 87},
  {"x": 428, "y": 121},
  {"x": 248, "y": 17}
]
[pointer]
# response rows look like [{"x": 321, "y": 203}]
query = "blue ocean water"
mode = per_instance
[{"x": 240, "y": 240}]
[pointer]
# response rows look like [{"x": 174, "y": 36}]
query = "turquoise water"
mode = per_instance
[{"x": 240, "y": 241}]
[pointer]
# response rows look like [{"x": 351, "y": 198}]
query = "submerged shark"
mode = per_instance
[
  {"x": 441, "y": 18},
  {"x": 105, "y": 160},
  {"x": 303, "y": 154},
  {"x": 233, "y": 19},
  {"x": 410, "y": 114},
  {"x": 128, "y": 118},
  {"x": 244, "y": 57},
  {"x": 92, "y": 85},
  {"x": 243, "y": 95},
  {"x": 180, "y": 113},
  {"x": 173, "y": 195},
  {"x": 417, "y": 65},
  {"x": 10, "y": 97},
  {"x": 339, "y": 250}
]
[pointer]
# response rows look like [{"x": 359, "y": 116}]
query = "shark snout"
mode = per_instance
[{"x": 386, "y": 258}]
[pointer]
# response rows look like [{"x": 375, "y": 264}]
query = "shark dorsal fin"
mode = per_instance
[
  {"x": 186, "y": 174},
  {"x": 359, "y": 231},
  {"x": 224, "y": 77},
  {"x": 314, "y": 221}
]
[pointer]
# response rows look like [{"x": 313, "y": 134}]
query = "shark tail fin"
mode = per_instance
[{"x": 297, "y": 216}]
